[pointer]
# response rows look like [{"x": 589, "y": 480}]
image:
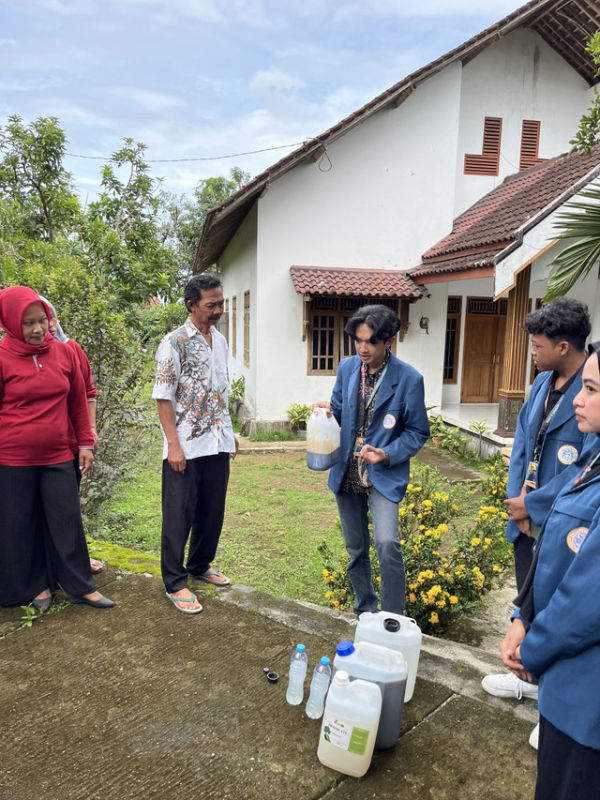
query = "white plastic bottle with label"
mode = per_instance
[
  {"x": 318, "y": 689},
  {"x": 349, "y": 725},
  {"x": 298, "y": 665}
]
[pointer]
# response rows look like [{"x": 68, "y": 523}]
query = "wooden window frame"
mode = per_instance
[
  {"x": 234, "y": 326},
  {"x": 341, "y": 309},
  {"x": 488, "y": 161},
  {"x": 247, "y": 328},
  {"x": 456, "y": 317},
  {"x": 223, "y": 325}
]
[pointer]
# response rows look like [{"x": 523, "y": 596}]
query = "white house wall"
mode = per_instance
[
  {"x": 238, "y": 268},
  {"x": 519, "y": 78},
  {"x": 373, "y": 207}
]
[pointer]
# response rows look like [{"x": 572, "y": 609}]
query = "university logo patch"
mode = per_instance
[
  {"x": 389, "y": 421},
  {"x": 575, "y": 538},
  {"x": 567, "y": 454}
]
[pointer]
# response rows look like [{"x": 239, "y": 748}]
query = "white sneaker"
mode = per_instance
[
  {"x": 508, "y": 685},
  {"x": 535, "y": 736}
]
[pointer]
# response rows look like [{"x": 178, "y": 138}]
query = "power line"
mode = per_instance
[{"x": 201, "y": 158}]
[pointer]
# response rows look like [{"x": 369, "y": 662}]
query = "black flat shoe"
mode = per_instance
[
  {"x": 104, "y": 602},
  {"x": 42, "y": 603}
]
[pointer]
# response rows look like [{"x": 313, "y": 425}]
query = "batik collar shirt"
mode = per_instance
[{"x": 193, "y": 376}]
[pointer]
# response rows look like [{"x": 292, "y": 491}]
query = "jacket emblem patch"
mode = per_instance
[
  {"x": 389, "y": 421},
  {"x": 567, "y": 454},
  {"x": 575, "y": 538}
]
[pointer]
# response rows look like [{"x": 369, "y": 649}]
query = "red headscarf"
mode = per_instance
[{"x": 14, "y": 301}]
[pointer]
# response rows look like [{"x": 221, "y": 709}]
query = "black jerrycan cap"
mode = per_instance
[{"x": 392, "y": 625}]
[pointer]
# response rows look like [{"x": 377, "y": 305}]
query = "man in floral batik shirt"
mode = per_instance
[{"x": 192, "y": 392}]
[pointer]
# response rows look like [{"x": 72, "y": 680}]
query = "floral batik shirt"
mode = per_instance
[{"x": 193, "y": 376}]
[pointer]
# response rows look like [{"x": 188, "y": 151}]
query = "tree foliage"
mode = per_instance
[
  {"x": 102, "y": 268},
  {"x": 588, "y": 132}
]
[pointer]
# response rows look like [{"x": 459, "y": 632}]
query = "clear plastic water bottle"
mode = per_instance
[
  {"x": 318, "y": 689},
  {"x": 298, "y": 665}
]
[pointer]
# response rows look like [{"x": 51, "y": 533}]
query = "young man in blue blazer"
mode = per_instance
[
  {"x": 379, "y": 403},
  {"x": 547, "y": 440}
]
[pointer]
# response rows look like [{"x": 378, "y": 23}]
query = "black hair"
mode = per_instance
[
  {"x": 592, "y": 348},
  {"x": 198, "y": 284},
  {"x": 382, "y": 320},
  {"x": 562, "y": 319}
]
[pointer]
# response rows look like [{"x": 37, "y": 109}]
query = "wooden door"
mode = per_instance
[{"x": 485, "y": 328}]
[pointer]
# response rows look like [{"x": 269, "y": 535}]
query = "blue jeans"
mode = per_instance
[{"x": 355, "y": 527}]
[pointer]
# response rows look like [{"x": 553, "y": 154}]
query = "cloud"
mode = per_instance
[
  {"x": 68, "y": 8},
  {"x": 145, "y": 99},
  {"x": 274, "y": 80},
  {"x": 67, "y": 111}
]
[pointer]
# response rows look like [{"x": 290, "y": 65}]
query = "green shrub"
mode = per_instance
[{"x": 447, "y": 573}]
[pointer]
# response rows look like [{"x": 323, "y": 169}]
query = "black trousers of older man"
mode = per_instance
[{"x": 193, "y": 502}]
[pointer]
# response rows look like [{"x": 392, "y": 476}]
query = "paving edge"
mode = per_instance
[{"x": 457, "y": 667}]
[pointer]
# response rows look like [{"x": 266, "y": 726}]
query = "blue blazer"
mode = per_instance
[
  {"x": 399, "y": 424},
  {"x": 562, "y": 646},
  {"x": 562, "y": 433}
]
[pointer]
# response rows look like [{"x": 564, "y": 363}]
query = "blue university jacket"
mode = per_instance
[
  {"x": 562, "y": 646},
  {"x": 562, "y": 446},
  {"x": 399, "y": 424}
]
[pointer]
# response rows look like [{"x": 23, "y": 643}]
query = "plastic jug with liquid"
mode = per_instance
[
  {"x": 395, "y": 632},
  {"x": 387, "y": 668},
  {"x": 349, "y": 726},
  {"x": 322, "y": 440}
]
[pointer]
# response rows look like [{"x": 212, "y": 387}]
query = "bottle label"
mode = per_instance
[{"x": 345, "y": 735}]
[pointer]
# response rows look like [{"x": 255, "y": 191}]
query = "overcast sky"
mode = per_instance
[{"x": 212, "y": 78}]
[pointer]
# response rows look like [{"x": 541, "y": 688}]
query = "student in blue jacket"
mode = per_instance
[
  {"x": 379, "y": 403},
  {"x": 555, "y": 635},
  {"x": 547, "y": 440}
]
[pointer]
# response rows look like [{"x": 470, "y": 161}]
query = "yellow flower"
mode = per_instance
[
  {"x": 427, "y": 503},
  {"x": 454, "y": 507},
  {"x": 328, "y": 594},
  {"x": 442, "y": 528},
  {"x": 378, "y": 579},
  {"x": 496, "y": 568},
  {"x": 440, "y": 603},
  {"x": 412, "y": 597},
  {"x": 475, "y": 541},
  {"x": 402, "y": 542},
  {"x": 434, "y": 619},
  {"x": 487, "y": 540},
  {"x": 453, "y": 599},
  {"x": 421, "y": 527},
  {"x": 504, "y": 515},
  {"x": 325, "y": 573},
  {"x": 411, "y": 506}
]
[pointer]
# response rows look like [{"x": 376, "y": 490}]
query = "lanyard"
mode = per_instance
[
  {"x": 590, "y": 465},
  {"x": 364, "y": 403},
  {"x": 539, "y": 442}
]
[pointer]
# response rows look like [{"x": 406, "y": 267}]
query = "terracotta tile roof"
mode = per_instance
[
  {"x": 566, "y": 25},
  {"x": 493, "y": 222},
  {"x": 355, "y": 281}
]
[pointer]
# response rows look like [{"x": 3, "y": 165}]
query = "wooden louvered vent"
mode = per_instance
[
  {"x": 488, "y": 162},
  {"x": 530, "y": 142}
]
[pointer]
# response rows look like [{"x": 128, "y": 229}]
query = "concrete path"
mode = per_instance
[{"x": 143, "y": 702}]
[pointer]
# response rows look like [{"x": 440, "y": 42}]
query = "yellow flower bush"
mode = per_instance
[{"x": 448, "y": 569}]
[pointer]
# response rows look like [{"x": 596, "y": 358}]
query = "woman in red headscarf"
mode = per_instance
[{"x": 42, "y": 393}]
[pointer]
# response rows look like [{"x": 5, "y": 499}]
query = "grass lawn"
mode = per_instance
[{"x": 277, "y": 513}]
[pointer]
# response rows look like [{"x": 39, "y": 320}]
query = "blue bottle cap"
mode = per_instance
[
  {"x": 324, "y": 661},
  {"x": 300, "y": 648},
  {"x": 345, "y": 648}
]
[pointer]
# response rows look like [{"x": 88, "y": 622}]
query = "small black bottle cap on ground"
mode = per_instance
[{"x": 272, "y": 677}]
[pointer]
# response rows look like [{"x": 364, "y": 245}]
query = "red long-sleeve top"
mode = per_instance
[{"x": 39, "y": 395}]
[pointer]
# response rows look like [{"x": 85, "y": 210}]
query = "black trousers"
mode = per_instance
[
  {"x": 194, "y": 501},
  {"x": 523, "y": 552},
  {"x": 35, "y": 556},
  {"x": 567, "y": 770}
]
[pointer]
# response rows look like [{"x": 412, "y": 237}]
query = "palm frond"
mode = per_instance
[{"x": 580, "y": 221}]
